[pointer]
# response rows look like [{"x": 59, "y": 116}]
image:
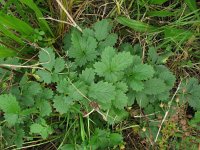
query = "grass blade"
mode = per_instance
[
  {"x": 6, "y": 52},
  {"x": 161, "y": 13},
  {"x": 9, "y": 34},
  {"x": 136, "y": 25},
  {"x": 192, "y": 6},
  {"x": 159, "y": 2},
  {"x": 43, "y": 23},
  {"x": 16, "y": 24},
  {"x": 177, "y": 35}
]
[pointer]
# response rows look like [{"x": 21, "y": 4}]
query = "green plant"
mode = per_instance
[
  {"x": 17, "y": 28},
  {"x": 189, "y": 93},
  {"x": 89, "y": 90}
]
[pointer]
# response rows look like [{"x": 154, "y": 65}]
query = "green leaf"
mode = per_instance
[
  {"x": 137, "y": 60},
  {"x": 103, "y": 139},
  {"x": 16, "y": 24},
  {"x": 10, "y": 107},
  {"x": 44, "y": 107},
  {"x": 11, "y": 35},
  {"x": 142, "y": 99},
  {"x": 154, "y": 86},
  {"x": 115, "y": 139},
  {"x": 59, "y": 65},
  {"x": 88, "y": 32},
  {"x": 29, "y": 111},
  {"x": 136, "y": 85},
  {"x": 44, "y": 76},
  {"x": 68, "y": 147},
  {"x": 110, "y": 40},
  {"x": 29, "y": 90},
  {"x": 87, "y": 75},
  {"x": 6, "y": 52},
  {"x": 18, "y": 137},
  {"x": 67, "y": 41},
  {"x": 47, "y": 58},
  {"x": 77, "y": 88},
  {"x": 43, "y": 130},
  {"x": 121, "y": 61},
  {"x": 196, "y": 97},
  {"x": 153, "y": 55},
  {"x": 159, "y": 2},
  {"x": 189, "y": 92},
  {"x": 27, "y": 100},
  {"x": 116, "y": 115},
  {"x": 84, "y": 51},
  {"x": 62, "y": 104},
  {"x": 33, "y": 88},
  {"x": 102, "y": 29},
  {"x": 191, "y": 4},
  {"x": 196, "y": 120},
  {"x": 112, "y": 64},
  {"x": 47, "y": 93},
  {"x": 100, "y": 139},
  {"x": 42, "y": 22},
  {"x": 149, "y": 109},
  {"x": 102, "y": 92},
  {"x": 164, "y": 96},
  {"x": 166, "y": 75},
  {"x": 136, "y": 25},
  {"x": 108, "y": 54},
  {"x": 75, "y": 38},
  {"x": 62, "y": 86},
  {"x": 121, "y": 86},
  {"x": 143, "y": 72},
  {"x": 11, "y": 118},
  {"x": 160, "y": 13},
  {"x": 177, "y": 35},
  {"x": 120, "y": 100}
]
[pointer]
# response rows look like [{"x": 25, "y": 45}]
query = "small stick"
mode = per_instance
[
  {"x": 20, "y": 66},
  {"x": 61, "y": 21},
  {"x": 167, "y": 112},
  {"x": 146, "y": 115},
  {"x": 8, "y": 69},
  {"x": 68, "y": 15}
]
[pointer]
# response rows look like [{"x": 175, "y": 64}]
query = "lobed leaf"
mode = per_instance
[
  {"x": 154, "y": 86},
  {"x": 102, "y": 29},
  {"x": 47, "y": 58},
  {"x": 10, "y": 107},
  {"x": 102, "y": 92},
  {"x": 87, "y": 75},
  {"x": 62, "y": 104}
]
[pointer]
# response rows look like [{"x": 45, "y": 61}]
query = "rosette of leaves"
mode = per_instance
[
  {"x": 115, "y": 79},
  {"x": 189, "y": 93},
  {"x": 94, "y": 76}
]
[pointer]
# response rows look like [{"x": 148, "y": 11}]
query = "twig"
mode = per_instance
[
  {"x": 93, "y": 110},
  {"x": 15, "y": 71},
  {"x": 68, "y": 15},
  {"x": 35, "y": 66},
  {"x": 167, "y": 112},
  {"x": 141, "y": 116},
  {"x": 61, "y": 21},
  {"x": 78, "y": 90},
  {"x": 20, "y": 66}
]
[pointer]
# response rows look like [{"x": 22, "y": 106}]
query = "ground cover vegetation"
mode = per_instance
[{"x": 92, "y": 75}]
